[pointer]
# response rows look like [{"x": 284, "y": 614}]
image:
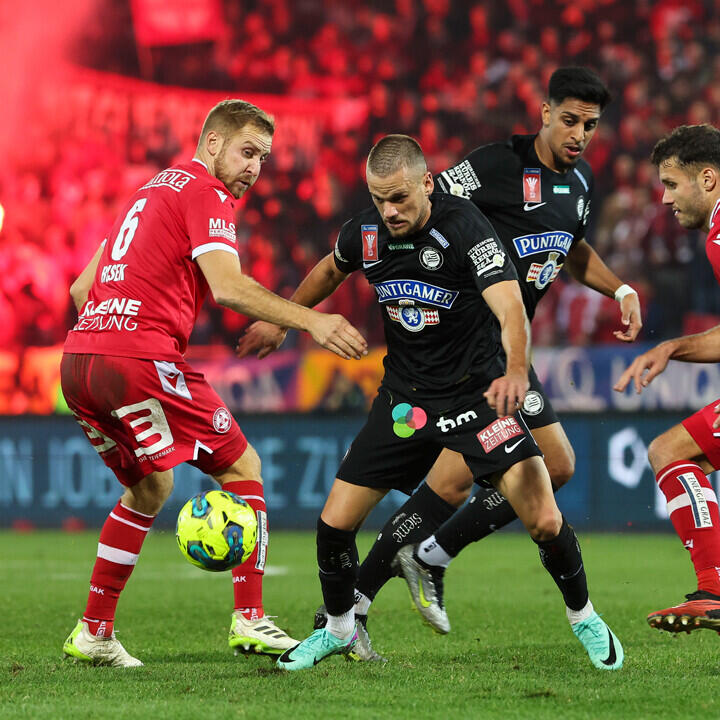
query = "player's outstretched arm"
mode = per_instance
[
  {"x": 80, "y": 289},
  {"x": 588, "y": 268},
  {"x": 507, "y": 393},
  {"x": 232, "y": 289},
  {"x": 321, "y": 282},
  {"x": 701, "y": 347}
]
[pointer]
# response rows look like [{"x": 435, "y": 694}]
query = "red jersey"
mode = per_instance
[
  {"x": 712, "y": 244},
  {"x": 148, "y": 289}
]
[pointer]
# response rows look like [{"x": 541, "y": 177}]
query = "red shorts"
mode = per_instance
[
  {"x": 144, "y": 416},
  {"x": 700, "y": 427}
]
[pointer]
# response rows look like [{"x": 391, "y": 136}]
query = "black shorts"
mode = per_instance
[
  {"x": 537, "y": 410},
  {"x": 399, "y": 443}
]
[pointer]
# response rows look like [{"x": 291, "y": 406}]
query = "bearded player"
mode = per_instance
[
  {"x": 143, "y": 408},
  {"x": 688, "y": 162}
]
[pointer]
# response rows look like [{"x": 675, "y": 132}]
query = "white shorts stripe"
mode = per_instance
[
  {"x": 690, "y": 466},
  {"x": 127, "y": 522},
  {"x": 121, "y": 557},
  {"x": 683, "y": 500},
  {"x": 209, "y": 247}
]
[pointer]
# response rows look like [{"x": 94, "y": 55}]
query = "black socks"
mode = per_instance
[
  {"x": 562, "y": 559},
  {"x": 417, "y": 519},
  {"x": 337, "y": 558},
  {"x": 486, "y": 512}
]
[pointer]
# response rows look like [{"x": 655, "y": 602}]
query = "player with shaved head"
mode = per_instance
[{"x": 456, "y": 375}]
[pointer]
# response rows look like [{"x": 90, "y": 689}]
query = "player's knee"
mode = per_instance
[
  {"x": 453, "y": 488},
  {"x": 561, "y": 468},
  {"x": 246, "y": 467},
  {"x": 249, "y": 464},
  {"x": 454, "y": 495},
  {"x": 659, "y": 454},
  {"x": 546, "y": 525},
  {"x": 150, "y": 494}
]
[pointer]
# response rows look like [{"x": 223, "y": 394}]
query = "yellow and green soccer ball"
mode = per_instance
[{"x": 216, "y": 530}]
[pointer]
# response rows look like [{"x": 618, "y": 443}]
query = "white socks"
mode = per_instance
[
  {"x": 362, "y": 603},
  {"x": 342, "y": 626},
  {"x": 430, "y": 552},
  {"x": 576, "y": 616}
]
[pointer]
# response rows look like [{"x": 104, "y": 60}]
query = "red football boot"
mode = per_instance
[{"x": 702, "y": 610}]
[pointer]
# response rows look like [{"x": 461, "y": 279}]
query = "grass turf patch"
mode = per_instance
[{"x": 510, "y": 653}]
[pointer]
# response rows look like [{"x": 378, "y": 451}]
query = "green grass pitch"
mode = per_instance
[{"x": 510, "y": 654}]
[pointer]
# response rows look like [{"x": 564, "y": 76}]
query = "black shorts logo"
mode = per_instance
[
  {"x": 534, "y": 403},
  {"x": 407, "y": 419}
]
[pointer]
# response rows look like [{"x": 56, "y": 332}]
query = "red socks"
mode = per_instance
[
  {"x": 121, "y": 538},
  {"x": 693, "y": 509},
  {"x": 248, "y": 577}
]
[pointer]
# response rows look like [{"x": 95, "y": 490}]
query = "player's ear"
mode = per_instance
[
  {"x": 213, "y": 142},
  {"x": 545, "y": 113},
  {"x": 710, "y": 178},
  {"x": 429, "y": 183}
]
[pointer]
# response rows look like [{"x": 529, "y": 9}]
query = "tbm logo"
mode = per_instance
[{"x": 446, "y": 424}]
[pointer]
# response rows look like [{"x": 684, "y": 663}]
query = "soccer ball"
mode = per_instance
[{"x": 216, "y": 530}]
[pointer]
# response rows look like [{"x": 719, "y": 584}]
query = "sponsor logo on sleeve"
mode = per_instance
[
  {"x": 532, "y": 190},
  {"x": 369, "y": 240},
  {"x": 580, "y": 207},
  {"x": 486, "y": 255},
  {"x": 586, "y": 214},
  {"x": 221, "y": 228},
  {"x": 461, "y": 179},
  {"x": 499, "y": 432},
  {"x": 439, "y": 237}
]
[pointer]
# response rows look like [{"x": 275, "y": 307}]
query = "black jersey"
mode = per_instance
[
  {"x": 442, "y": 338},
  {"x": 537, "y": 213}
]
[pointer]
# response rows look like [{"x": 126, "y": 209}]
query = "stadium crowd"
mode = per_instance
[{"x": 453, "y": 75}]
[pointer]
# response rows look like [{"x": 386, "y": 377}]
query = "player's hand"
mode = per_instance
[
  {"x": 506, "y": 394},
  {"x": 335, "y": 333},
  {"x": 631, "y": 316},
  {"x": 261, "y": 338},
  {"x": 645, "y": 368}
]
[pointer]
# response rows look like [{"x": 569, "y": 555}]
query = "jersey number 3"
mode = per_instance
[{"x": 127, "y": 230}]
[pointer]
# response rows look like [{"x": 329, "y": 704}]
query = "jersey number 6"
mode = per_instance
[{"x": 127, "y": 230}]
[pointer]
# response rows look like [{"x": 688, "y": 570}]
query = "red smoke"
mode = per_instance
[{"x": 34, "y": 39}]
